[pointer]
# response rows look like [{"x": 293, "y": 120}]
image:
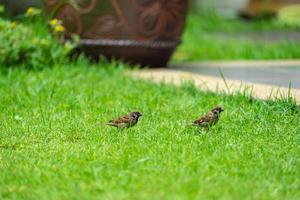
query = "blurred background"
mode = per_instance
[
  {"x": 224, "y": 8},
  {"x": 227, "y": 29},
  {"x": 241, "y": 29},
  {"x": 245, "y": 8}
]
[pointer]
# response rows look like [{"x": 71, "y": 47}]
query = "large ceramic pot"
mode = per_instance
[{"x": 139, "y": 31}]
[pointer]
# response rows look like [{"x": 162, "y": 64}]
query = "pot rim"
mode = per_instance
[{"x": 131, "y": 43}]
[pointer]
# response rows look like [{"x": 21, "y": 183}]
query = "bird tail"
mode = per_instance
[
  {"x": 111, "y": 124},
  {"x": 194, "y": 124}
]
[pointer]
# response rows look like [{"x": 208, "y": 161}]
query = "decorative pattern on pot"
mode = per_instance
[
  {"x": 149, "y": 29},
  {"x": 160, "y": 17}
]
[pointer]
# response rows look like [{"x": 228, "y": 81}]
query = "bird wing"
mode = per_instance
[
  {"x": 120, "y": 120},
  {"x": 205, "y": 119}
]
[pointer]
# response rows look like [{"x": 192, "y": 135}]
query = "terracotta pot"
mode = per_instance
[{"x": 139, "y": 31}]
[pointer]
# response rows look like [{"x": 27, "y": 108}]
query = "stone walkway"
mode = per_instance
[
  {"x": 264, "y": 36},
  {"x": 264, "y": 80},
  {"x": 276, "y": 73}
]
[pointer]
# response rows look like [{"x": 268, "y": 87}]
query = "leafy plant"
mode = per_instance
[{"x": 29, "y": 43}]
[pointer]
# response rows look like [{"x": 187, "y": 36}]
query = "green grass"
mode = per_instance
[
  {"x": 208, "y": 37},
  {"x": 53, "y": 144}
]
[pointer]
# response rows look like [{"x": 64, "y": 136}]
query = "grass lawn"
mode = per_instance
[
  {"x": 53, "y": 144},
  {"x": 208, "y": 37}
]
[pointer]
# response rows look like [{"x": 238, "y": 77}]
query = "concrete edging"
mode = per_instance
[
  {"x": 241, "y": 63},
  {"x": 260, "y": 91}
]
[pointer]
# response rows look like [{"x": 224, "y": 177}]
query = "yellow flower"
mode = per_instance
[
  {"x": 12, "y": 25},
  {"x": 54, "y": 22},
  {"x": 59, "y": 29},
  {"x": 31, "y": 12}
]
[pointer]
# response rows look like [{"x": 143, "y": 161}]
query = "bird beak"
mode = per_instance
[
  {"x": 222, "y": 109},
  {"x": 141, "y": 114}
]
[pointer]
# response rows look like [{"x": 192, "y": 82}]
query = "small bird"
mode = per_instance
[
  {"x": 209, "y": 119},
  {"x": 126, "y": 121}
]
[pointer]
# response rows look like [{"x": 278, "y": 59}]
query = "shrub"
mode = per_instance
[{"x": 29, "y": 43}]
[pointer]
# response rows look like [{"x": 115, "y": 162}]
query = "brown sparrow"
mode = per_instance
[
  {"x": 209, "y": 119},
  {"x": 126, "y": 121}
]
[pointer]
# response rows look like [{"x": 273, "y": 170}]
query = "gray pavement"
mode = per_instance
[
  {"x": 275, "y": 74},
  {"x": 265, "y": 37}
]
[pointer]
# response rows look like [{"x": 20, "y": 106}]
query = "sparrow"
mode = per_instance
[
  {"x": 209, "y": 119},
  {"x": 126, "y": 121}
]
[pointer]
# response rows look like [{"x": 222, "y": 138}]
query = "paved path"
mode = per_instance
[
  {"x": 265, "y": 37},
  {"x": 253, "y": 77},
  {"x": 275, "y": 73}
]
